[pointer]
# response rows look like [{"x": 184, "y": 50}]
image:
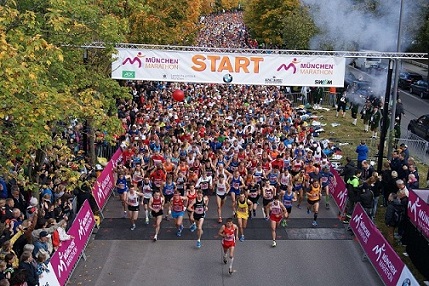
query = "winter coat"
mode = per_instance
[{"x": 392, "y": 207}]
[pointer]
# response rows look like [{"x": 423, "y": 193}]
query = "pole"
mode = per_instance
[
  {"x": 395, "y": 84},
  {"x": 385, "y": 117}
]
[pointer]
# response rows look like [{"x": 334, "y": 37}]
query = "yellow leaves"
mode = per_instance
[
  {"x": 32, "y": 76},
  {"x": 60, "y": 57}
]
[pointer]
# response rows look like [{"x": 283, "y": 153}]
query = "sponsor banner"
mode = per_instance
[
  {"x": 382, "y": 256},
  {"x": 210, "y": 67},
  {"x": 64, "y": 259},
  {"x": 106, "y": 181},
  {"x": 418, "y": 211},
  {"x": 338, "y": 190},
  {"x": 49, "y": 278}
]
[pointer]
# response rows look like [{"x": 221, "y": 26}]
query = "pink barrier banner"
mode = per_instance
[
  {"x": 65, "y": 258},
  {"x": 386, "y": 262},
  {"x": 338, "y": 190},
  {"x": 106, "y": 181},
  {"x": 418, "y": 211}
]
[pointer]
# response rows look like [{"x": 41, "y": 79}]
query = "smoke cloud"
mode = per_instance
[{"x": 349, "y": 24}]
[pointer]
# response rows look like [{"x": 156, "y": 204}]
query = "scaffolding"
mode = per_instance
[{"x": 346, "y": 54}]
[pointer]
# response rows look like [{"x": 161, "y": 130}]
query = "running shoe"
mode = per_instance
[
  {"x": 266, "y": 218},
  {"x": 284, "y": 223},
  {"x": 241, "y": 238},
  {"x": 124, "y": 214},
  {"x": 254, "y": 213},
  {"x": 346, "y": 221},
  {"x": 133, "y": 227},
  {"x": 155, "y": 238},
  {"x": 225, "y": 260},
  {"x": 198, "y": 244},
  {"x": 308, "y": 211},
  {"x": 193, "y": 227},
  {"x": 147, "y": 220},
  {"x": 166, "y": 218},
  {"x": 314, "y": 223},
  {"x": 298, "y": 206},
  {"x": 327, "y": 206},
  {"x": 181, "y": 227},
  {"x": 234, "y": 214},
  {"x": 274, "y": 243},
  {"x": 230, "y": 271},
  {"x": 219, "y": 220},
  {"x": 179, "y": 233}
]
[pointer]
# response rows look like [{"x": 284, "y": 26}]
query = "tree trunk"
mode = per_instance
[{"x": 91, "y": 142}]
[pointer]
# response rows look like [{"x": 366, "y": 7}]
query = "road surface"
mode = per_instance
[{"x": 327, "y": 255}]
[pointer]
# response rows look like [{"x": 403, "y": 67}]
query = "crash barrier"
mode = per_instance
[
  {"x": 105, "y": 182},
  {"x": 418, "y": 147},
  {"x": 418, "y": 210},
  {"x": 338, "y": 191},
  {"x": 378, "y": 251},
  {"x": 65, "y": 259}
]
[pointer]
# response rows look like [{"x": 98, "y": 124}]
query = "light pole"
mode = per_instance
[{"x": 398, "y": 64}]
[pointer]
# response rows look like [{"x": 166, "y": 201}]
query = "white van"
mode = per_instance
[{"x": 368, "y": 62}]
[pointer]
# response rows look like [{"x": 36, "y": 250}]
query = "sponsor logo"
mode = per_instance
[
  {"x": 413, "y": 207},
  {"x": 128, "y": 74},
  {"x": 273, "y": 80},
  {"x": 288, "y": 66},
  {"x": 323, "y": 81},
  {"x": 227, "y": 78},
  {"x": 357, "y": 219},
  {"x": 136, "y": 59},
  {"x": 379, "y": 250}
]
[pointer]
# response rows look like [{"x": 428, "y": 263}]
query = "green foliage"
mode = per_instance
[{"x": 278, "y": 23}]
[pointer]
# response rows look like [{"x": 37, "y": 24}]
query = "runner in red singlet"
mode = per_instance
[
  {"x": 229, "y": 234},
  {"x": 277, "y": 213}
]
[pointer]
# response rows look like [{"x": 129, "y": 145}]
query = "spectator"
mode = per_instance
[
  {"x": 27, "y": 263},
  {"x": 366, "y": 198},
  {"x": 394, "y": 208},
  {"x": 362, "y": 151},
  {"x": 41, "y": 245}
]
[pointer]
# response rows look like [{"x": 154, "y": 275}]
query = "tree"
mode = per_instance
[
  {"x": 44, "y": 81},
  {"x": 279, "y": 23}
]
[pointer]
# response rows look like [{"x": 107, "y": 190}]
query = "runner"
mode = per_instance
[
  {"x": 181, "y": 182},
  {"x": 313, "y": 199},
  {"x": 243, "y": 207},
  {"x": 199, "y": 207},
  {"x": 221, "y": 186},
  {"x": 122, "y": 189},
  {"x": 132, "y": 200},
  {"x": 285, "y": 182},
  {"x": 253, "y": 193},
  {"x": 178, "y": 203},
  {"x": 298, "y": 182},
  {"x": 236, "y": 185},
  {"x": 168, "y": 192},
  {"x": 229, "y": 234},
  {"x": 191, "y": 194},
  {"x": 288, "y": 198},
  {"x": 155, "y": 205},
  {"x": 268, "y": 194},
  {"x": 147, "y": 195},
  {"x": 205, "y": 183},
  {"x": 326, "y": 178},
  {"x": 277, "y": 212}
]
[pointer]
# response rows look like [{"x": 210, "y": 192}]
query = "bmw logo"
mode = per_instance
[{"x": 227, "y": 78}]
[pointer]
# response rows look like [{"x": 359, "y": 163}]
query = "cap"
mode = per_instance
[{"x": 43, "y": 233}]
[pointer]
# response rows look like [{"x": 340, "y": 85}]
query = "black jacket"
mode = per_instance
[
  {"x": 31, "y": 273},
  {"x": 392, "y": 207},
  {"x": 366, "y": 198},
  {"x": 348, "y": 171}
]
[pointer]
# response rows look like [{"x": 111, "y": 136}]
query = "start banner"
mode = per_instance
[
  {"x": 229, "y": 68},
  {"x": 338, "y": 190},
  {"x": 418, "y": 210},
  {"x": 386, "y": 262},
  {"x": 65, "y": 258},
  {"x": 106, "y": 181}
]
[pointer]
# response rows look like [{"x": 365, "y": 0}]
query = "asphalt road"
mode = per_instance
[{"x": 327, "y": 255}]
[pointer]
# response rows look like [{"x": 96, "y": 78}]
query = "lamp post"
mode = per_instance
[{"x": 398, "y": 64}]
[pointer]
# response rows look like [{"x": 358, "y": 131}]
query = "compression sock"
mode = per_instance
[
  {"x": 146, "y": 213},
  {"x": 231, "y": 260},
  {"x": 315, "y": 216}
]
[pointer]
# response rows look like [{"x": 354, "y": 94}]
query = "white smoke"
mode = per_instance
[{"x": 347, "y": 25}]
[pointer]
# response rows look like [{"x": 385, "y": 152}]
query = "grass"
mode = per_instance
[{"x": 346, "y": 132}]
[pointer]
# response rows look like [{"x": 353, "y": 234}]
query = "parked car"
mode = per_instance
[
  {"x": 420, "y": 126},
  {"x": 420, "y": 88},
  {"x": 407, "y": 78}
]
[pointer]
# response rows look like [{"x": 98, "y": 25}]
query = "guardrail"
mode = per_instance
[
  {"x": 416, "y": 63},
  {"x": 418, "y": 147}
]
